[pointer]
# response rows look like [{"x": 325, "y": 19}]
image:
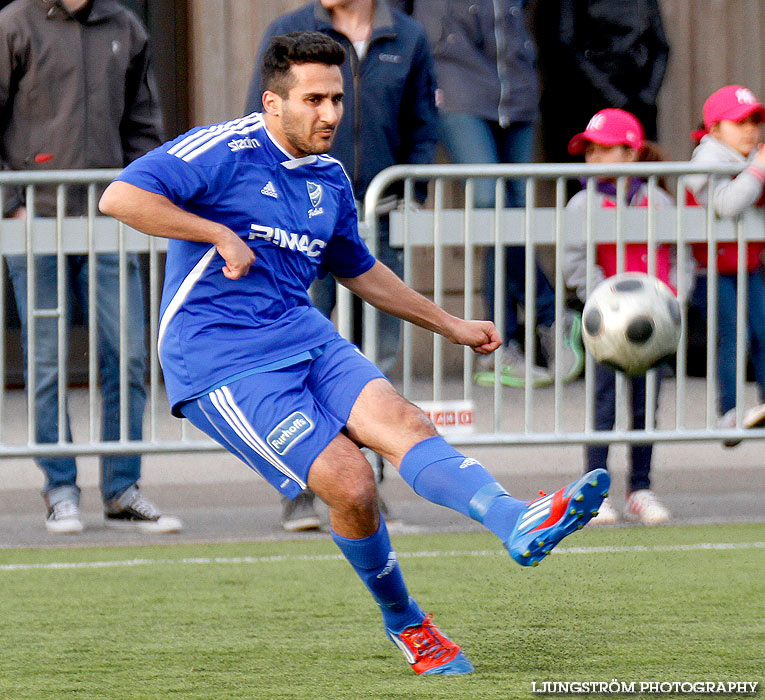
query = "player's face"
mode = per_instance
[
  {"x": 741, "y": 136},
  {"x": 308, "y": 117},
  {"x": 597, "y": 153}
]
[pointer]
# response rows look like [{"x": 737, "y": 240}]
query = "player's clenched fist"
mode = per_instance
[
  {"x": 237, "y": 254},
  {"x": 481, "y": 336}
]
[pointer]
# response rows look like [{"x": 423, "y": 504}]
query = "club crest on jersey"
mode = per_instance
[
  {"x": 315, "y": 193},
  {"x": 292, "y": 429}
]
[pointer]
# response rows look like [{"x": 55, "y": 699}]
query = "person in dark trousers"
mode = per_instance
[
  {"x": 488, "y": 103},
  {"x": 76, "y": 92},
  {"x": 390, "y": 119}
]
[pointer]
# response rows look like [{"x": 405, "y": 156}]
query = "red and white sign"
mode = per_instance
[{"x": 449, "y": 417}]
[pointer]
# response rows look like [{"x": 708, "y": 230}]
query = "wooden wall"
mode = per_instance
[{"x": 713, "y": 42}]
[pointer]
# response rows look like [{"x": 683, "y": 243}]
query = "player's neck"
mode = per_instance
[{"x": 354, "y": 20}]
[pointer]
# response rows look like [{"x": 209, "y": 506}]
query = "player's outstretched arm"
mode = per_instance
[
  {"x": 382, "y": 288},
  {"x": 158, "y": 216}
]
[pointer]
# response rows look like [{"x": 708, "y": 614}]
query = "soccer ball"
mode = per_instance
[{"x": 631, "y": 322}]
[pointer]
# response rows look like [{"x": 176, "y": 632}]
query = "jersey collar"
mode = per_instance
[{"x": 291, "y": 163}]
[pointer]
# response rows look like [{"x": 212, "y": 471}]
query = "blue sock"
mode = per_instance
[
  {"x": 442, "y": 475},
  {"x": 375, "y": 562}
]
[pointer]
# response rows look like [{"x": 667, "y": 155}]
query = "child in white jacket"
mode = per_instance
[
  {"x": 616, "y": 136},
  {"x": 732, "y": 119}
]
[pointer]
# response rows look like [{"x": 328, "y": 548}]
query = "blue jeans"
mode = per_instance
[
  {"x": 726, "y": 330},
  {"x": 117, "y": 472},
  {"x": 605, "y": 416},
  {"x": 324, "y": 294},
  {"x": 469, "y": 139}
]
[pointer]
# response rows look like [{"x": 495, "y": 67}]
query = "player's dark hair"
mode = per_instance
[{"x": 295, "y": 48}]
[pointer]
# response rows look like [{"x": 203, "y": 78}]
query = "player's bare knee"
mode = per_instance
[{"x": 414, "y": 421}]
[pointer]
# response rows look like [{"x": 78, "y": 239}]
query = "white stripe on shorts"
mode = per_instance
[{"x": 230, "y": 412}]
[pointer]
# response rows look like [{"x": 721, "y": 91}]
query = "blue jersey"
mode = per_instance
[{"x": 298, "y": 216}]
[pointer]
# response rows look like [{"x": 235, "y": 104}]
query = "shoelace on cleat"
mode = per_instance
[{"x": 427, "y": 641}]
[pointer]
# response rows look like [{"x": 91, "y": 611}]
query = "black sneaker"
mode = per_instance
[
  {"x": 299, "y": 515},
  {"x": 132, "y": 511}
]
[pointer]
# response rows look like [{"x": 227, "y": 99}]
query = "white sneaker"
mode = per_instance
[
  {"x": 753, "y": 418},
  {"x": 643, "y": 506},
  {"x": 64, "y": 518},
  {"x": 607, "y": 514},
  {"x": 513, "y": 368}
]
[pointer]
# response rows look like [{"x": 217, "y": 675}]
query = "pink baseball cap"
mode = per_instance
[
  {"x": 733, "y": 103},
  {"x": 609, "y": 127}
]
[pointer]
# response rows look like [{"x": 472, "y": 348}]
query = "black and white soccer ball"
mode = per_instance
[{"x": 631, "y": 322}]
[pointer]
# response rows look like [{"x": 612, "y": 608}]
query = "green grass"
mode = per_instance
[{"x": 299, "y": 626}]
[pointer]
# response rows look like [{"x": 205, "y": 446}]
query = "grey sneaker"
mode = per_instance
[
  {"x": 299, "y": 514},
  {"x": 513, "y": 363},
  {"x": 64, "y": 518},
  {"x": 572, "y": 353},
  {"x": 132, "y": 511}
]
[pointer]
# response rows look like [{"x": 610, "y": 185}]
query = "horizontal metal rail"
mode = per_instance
[{"x": 440, "y": 243}]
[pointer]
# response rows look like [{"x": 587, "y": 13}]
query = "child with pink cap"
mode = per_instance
[
  {"x": 616, "y": 136},
  {"x": 731, "y": 134}
]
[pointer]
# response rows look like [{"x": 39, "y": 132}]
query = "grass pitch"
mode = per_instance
[{"x": 290, "y": 619}]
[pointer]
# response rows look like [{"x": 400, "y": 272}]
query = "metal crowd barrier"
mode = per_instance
[
  {"x": 561, "y": 414},
  {"x": 82, "y": 235}
]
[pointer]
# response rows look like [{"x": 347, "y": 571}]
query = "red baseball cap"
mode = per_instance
[
  {"x": 733, "y": 103},
  {"x": 609, "y": 127}
]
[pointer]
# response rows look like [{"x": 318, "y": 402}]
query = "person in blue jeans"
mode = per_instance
[
  {"x": 119, "y": 472},
  {"x": 77, "y": 92},
  {"x": 488, "y": 100},
  {"x": 732, "y": 134}
]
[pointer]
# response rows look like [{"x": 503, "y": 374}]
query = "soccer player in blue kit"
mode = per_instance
[{"x": 254, "y": 211}]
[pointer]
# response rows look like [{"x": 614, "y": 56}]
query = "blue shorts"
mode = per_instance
[{"x": 278, "y": 422}]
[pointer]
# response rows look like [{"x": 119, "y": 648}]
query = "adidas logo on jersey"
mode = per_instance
[{"x": 269, "y": 190}]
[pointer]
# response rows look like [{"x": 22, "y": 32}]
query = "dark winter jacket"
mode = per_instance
[
  {"x": 485, "y": 57},
  {"x": 73, "y": 94},
  {"x": 389, "y": 105},
  {"x": 615, "y": 49}
]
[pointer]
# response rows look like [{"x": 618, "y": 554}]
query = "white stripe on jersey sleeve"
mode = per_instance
[
  {"x": 180, "y": 296},
  {"x": 209, "y": 138},
  {"x": 199, "y": 136},
  {"x": 215, "y": 140}
]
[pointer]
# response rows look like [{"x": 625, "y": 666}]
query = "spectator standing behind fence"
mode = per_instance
[
  {"x": 390, "y": 119},
  {"x": 616, "y": 136},
  {"x": 488, "y": 104},
  {"x": 731, "y": 134},
  {"x": 76, "y": 92},
  {"x": 596, "y": 54}
]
